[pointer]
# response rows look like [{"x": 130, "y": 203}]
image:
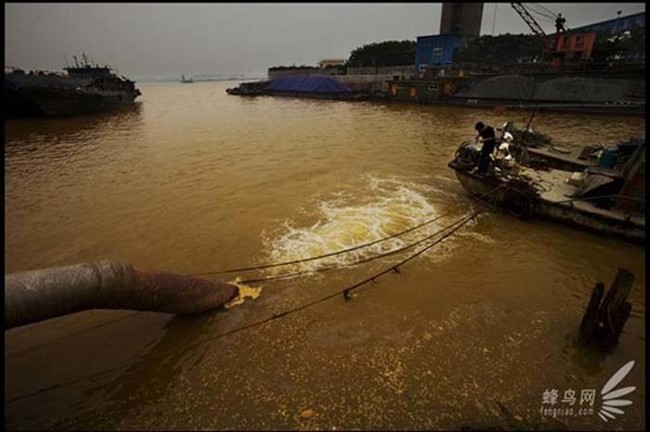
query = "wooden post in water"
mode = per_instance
[{"x": 603, "y": 322}]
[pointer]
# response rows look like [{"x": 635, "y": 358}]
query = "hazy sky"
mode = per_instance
[{"x": 164, "y": 40}]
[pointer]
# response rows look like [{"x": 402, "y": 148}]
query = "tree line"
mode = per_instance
[{"x": 505, "y": 48}]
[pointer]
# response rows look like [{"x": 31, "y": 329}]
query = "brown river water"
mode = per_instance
[{"x": 471, "y": 333}]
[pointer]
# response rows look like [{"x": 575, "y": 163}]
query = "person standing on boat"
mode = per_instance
[
  {"x": 503, "y": 135},
  {"x": 486, "y": 133},
  {"x": 559, "y": 23},
  {"x": 504, "y": 138}
]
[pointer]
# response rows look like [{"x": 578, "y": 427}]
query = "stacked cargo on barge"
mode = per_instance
[
  {"x": 317, "y": 87},
  {"x": 84, "y": 89}
]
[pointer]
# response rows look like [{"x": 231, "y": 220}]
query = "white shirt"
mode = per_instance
[{"x": 506, "y": 136}]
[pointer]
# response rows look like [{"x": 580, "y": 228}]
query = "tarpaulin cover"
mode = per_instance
[{"x": 318, "y": 84}]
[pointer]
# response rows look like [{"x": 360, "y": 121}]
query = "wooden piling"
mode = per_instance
[{"x": 603, "y": 322}]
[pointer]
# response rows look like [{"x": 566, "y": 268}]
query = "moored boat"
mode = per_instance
[
  {"x": 538, "y": 150},
  {"x": 312, "y": 87},
  {"x": 248, "y": 89},
  {"x": 604, "y": 200},
  {"x": 85, "y": 89}
]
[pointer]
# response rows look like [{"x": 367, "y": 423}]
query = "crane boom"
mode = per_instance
[
  {"x": 523, "y": 13},
  {"x": 534, "y": 26}
]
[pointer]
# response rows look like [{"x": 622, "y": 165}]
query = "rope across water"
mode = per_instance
[
  {"x": 273, "y": 317},
  {"x": 452, "y": 228}
]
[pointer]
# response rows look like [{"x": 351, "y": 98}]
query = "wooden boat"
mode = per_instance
[
  {"x": 607, "y": 201},
  {"x": 538, "y": 150}
]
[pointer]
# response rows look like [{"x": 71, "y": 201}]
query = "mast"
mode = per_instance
[{"x": 76, "y": 64}]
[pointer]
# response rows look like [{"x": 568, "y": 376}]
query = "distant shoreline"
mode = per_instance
[{"x": 196, "y": 80}]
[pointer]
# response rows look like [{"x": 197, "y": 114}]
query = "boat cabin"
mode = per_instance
[{"x": 90, "y": 72}]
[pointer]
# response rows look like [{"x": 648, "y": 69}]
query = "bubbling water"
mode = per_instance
[{"x": 383, "y": 208}]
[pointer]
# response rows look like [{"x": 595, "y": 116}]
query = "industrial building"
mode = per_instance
[
  {"x": 459, "y": 24},
  {"x": 435, "y": 51},
  {"x": 616, "y": 25},
  {"x": 437, "y": 79},
  {"x": 462, "y": 19},
  {"x": 331, "y": 63}
]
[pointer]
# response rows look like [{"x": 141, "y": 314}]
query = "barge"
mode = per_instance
[
  {"x": 312, "y": 87},
  {"x": 85, "y": 88},
  {"x": 608, "y": 201}
]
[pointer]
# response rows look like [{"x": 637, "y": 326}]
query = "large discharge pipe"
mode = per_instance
[{"x": 38, "y": 295}]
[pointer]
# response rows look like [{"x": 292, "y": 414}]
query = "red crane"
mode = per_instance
[
  {"x": 534, "y": 26},
  {"x": 574, "y": 47}
]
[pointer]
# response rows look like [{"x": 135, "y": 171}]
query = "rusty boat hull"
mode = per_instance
[{"x": 554, "y": 204}]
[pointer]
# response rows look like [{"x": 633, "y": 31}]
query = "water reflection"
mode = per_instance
[
  {"x": 53, "y": 130},
  {"x": 589, "y": 359},
  {"x": 155, "y": 374},
  {"x": 30, "y": 142}
]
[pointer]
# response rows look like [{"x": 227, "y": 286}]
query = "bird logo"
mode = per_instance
[{"x": 611, "y": 398}]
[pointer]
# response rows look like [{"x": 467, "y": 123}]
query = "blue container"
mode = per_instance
[{"x": 608, "y": 157}]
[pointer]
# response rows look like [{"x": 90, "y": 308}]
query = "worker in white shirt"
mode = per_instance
[{"x": 504, "y": 138}]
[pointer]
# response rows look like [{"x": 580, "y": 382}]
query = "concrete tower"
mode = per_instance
[{"x": 463, "y": 19}]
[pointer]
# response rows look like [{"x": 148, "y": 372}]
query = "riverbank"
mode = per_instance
[{"x": 620, "y": 91}]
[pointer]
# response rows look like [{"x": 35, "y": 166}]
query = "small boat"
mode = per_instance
[
  {"x": 537, "y": 150},
  {"x": 186, "y": 80},
  {"x": 609, "y": 201}
]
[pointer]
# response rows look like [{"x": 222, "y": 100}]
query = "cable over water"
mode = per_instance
[
  {"x": 361, "y": 261},
  {"x": 345, "y": 292},
  {"x": 330, "y": 254},
  {"x": 327, "y": 255},
  {"x": 249, "y": 281}
]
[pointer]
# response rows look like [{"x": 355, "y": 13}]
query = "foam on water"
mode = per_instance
[
  {"x": 384, "y": 207},
  {"x": 245, "y": 292}
]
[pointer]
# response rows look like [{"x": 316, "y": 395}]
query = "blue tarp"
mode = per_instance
[{"x": 318, "y": 84}]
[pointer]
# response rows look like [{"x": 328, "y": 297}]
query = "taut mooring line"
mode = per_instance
[{"x": 345, "y": 292}]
